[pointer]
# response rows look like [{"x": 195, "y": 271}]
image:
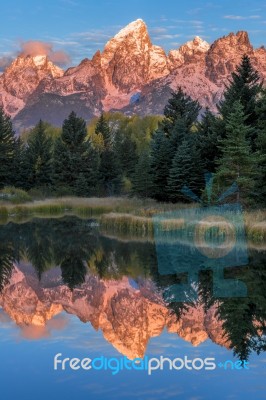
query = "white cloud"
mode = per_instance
[
  {"x": 240, "y": 17},
  {"x": 175, "y": 44},
  {"x": 166, "y": 36},
  {"x": 37, "y": 47},
  {"x": 158, "y": 30}
]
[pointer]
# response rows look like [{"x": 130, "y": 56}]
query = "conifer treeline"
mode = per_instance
[{"x": 230, "y": 144}]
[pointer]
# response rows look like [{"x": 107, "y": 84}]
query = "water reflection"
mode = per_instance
[{"x": 55, "y": 265}]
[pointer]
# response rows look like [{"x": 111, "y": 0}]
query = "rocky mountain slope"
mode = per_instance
[
  {"x": 131, "y": 75},
  {"x": 22, "y": 78}
]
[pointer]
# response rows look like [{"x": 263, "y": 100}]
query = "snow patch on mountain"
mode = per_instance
[{"x": 39, "y": 60}]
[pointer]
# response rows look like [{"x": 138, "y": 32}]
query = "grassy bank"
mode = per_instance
[
  {"x": 119, "y": 215},
  {"x": 84, "y": 207},
  {"x": 126, "y": 224}
]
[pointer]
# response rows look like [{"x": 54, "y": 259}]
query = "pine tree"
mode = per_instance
[
  {"x": 75, "y": 160},
  {"x": 110, "y": 173},
  {"x": 179, "y": 132},
  {"x": 237, "y": 163},
  {"x": 180, "y": 107},
  {"x": 260, "y": 181},
  {"x": 160, "y": 165},
  {"x": 102, "y": 128},
  {"x": 61, "y": 155},
  {"x": 7, "y": 150},
  {"x": 126, "y": 151},
  {"x": 244, "y": 86},
  {"x": 180, "y": 114},
  {"x": 141, "y": 180},
  {"x": 39, "y": 158},
  {"x": 207, "y": 139},
  {"x": 186, "y": 170},
  {"x": 6, "y": 264},
  {"x": 20, "y": 164},
  {"x": 73, "y": 271}
]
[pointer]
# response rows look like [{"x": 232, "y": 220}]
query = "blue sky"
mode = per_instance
[
  {"x": 29, "y": 363},
  {"x": 79, "y": 27}
]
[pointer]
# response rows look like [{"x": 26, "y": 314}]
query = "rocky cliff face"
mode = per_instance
[
  {"x": 130, "y": 60},
  {"x": 225, "y": 54},
  {"x": 128, "y": 317},
  {"x": 22, "y": 78},
  {"x": 191, "y": 52},
  {"x": 32, "y": 87}
]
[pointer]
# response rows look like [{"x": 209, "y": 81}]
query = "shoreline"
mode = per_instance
[{"x": 119, "y": 215}]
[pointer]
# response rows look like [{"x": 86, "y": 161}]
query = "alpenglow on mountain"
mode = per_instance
[{"x": 131, "y": 75}]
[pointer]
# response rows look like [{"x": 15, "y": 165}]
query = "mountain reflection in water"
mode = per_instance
[{"x": 48, "y": 266}]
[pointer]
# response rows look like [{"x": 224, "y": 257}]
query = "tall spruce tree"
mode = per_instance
[
  {"x": 7, "y": 150},
  {"x": 237, "y": 163},
  {"x": 110, "y": 173},
  {"x": 181, "y": 114},
  {"x": 180, "y": 107},
  {"x": 102, "y": 128},
  {"x": 141, "y": 179},
  {"x": 160, "y": 165},
  {"x": 186, "y": 170},
  {"x": 179, "y": 132},
  {"x": 244, "y": 86},
  {"x": 7, "y": 261},
  {"x": 260, "y": 181},
  {"x": 39, "y": 159},
  {"x": 75, "y": 160},
  {"x": 126, "y": 151},
  {"x": 20, "y": 165},
  {"x": 207, "y": 139}
]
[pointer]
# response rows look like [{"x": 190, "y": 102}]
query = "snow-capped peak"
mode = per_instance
[
  {"x": 201, "y": 44},
  {"x": 131, "y": 28},
  {"x": 197, "y": 44},
  {"x": 134, "y": 37}
]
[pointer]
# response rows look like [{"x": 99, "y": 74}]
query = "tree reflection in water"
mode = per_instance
[{"x": 78, "y": 248}]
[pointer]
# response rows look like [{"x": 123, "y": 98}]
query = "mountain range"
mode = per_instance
[{"x": 130, "y": 75}]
